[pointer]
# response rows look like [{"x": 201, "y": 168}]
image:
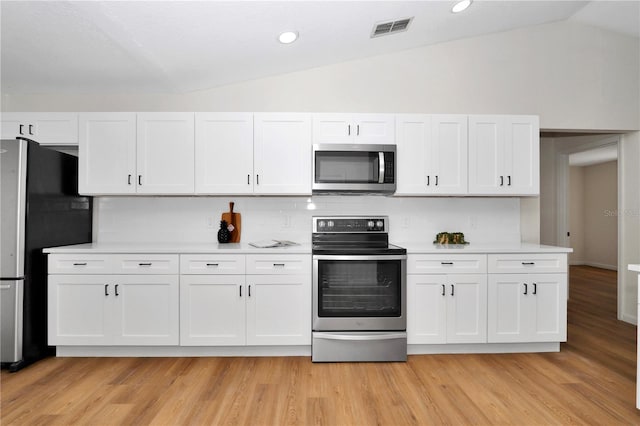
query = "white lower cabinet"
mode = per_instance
[
  {"x": 113, "y": 310},
  {"x": 527, "y": 308},
  {"x": 446, "y": 308},
  {"x": 448, "y": 304},
  {"x": 279, "y": 309},
  {"x": 270, "y": 308},
  {"x": 212, "y": 310}
]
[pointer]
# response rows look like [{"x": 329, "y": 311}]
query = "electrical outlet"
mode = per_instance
[
  {"x": 473, "y": 222},
  {"x": 211, "y": 222},
  {"x": 406, "y": 222},
  {"x": 286, "y": 223}
]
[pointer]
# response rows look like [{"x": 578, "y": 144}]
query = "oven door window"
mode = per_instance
[
  {"x": 359, "y": 288},
  {"x": 347, "y": 167}
]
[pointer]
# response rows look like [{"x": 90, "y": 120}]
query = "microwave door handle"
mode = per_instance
[{"x": 380, "y": 167}]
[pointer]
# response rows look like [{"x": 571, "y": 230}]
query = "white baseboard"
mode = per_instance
[{"x": 630, "y": 319}]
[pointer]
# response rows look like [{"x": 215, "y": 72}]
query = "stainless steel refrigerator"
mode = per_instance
[{"x": 39, "y": 207}]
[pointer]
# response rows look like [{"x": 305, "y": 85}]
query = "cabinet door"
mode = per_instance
[
  {"x": 426, "y": 309},
  {"x": 107, "y": 153},
  {"x": 53, "y": 128},
  {"x": 282, "y": 153},
  {"x": 522, "y": 155},
  {"x": 467, "y": 308},
  {"x": 374, "y": 128},
  {"x": 486, "y": 156},
  {"x": 212, "y": 310},
  {"x": 413, "y": 138},
  {"x": 79, "y": 309},
  {"x": 279, "y": 309},
  {"x": 146, "y": 310},
  {"x": 11, "y": 125},
  {"x": 548, "y": 308},
  {"x": 333, "y": 128},
  {"x": 165, "y": 153},
  {"x": 507, "y": 311},
  {"x": 448, "y": 155},
  {"x": 224, "y": 153}
]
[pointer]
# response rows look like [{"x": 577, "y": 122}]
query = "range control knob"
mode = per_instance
[
  {"x": 370, "y": 224},
  {"x": 322, "y": 224},
  {"x": 330, "y": 224},
  {"x": 380, "y": 224}
]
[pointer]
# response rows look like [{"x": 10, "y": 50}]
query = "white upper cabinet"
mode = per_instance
[
  {"x": 282, "y": 153},
  {"x": 165, "y": 153},
  {"x": 224, "y": 153},
  {"x": 432, "y": 154},
  {"x": 354, "y": 128},
  {"x": 504, "y": 155},
  {"x": 107, "y": 153},
  {"x": 47, "y": 128},
  {"x": 128, "y": 153}
]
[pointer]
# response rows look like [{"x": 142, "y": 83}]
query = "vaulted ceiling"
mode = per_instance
[{"x": 183, "y": 46}]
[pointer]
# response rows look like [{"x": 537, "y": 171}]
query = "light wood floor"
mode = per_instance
[{"x": 591, "y": 381}]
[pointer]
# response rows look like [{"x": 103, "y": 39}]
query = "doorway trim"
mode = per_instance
[{"x": 580, "y": 144}]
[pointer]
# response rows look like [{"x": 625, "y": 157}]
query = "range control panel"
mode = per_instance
[{"x": 350, "y": 224}]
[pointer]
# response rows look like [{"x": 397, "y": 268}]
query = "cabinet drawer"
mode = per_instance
[
  {"x": 145, "y": 263},
  {"x": 208, "y": 264},
  {"x": 446, "y": 263},
  {"x": 527, "y": 263},
  {"x": 278, "y": 264},
  {"x": 80, "y": 263}
]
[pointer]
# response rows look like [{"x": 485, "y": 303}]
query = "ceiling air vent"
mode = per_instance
[{"x": 391, "y": 27}]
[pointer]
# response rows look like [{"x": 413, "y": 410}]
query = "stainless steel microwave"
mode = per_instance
[{"x": 354, "y": 168}]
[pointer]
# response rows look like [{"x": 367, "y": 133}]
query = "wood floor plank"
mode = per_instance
[{"x": 591, "y": 381}]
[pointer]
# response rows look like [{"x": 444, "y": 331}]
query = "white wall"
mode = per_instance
[
  {"x": 576, "y": 215},
  {"x": 186, "y": 219},
  {"x": 573, "y": 75}
]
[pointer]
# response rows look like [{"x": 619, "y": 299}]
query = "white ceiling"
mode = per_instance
[{"x": 183, "y": 46}]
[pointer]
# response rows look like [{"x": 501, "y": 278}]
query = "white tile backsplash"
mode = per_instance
[{"x": 188, "y": 219}]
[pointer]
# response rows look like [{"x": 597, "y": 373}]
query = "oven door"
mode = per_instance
[{"x": 359, "y": 293}]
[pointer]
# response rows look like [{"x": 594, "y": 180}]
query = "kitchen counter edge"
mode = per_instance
[
  {"x": 176, "y": 248},
  {"x": 417, "y": 248}
]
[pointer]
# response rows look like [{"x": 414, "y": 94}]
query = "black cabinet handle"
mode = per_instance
[
  {"x": 436, "y": 180},
  {"x": 117, "y": 290},
  {"x": 443, "y": 289},
  {"x": 349, "y": 130},
  {"x": 509, "y": 180},
  {"x": 535, "y": 288},
  {"x": 257, "y": 179},
  {"x": 128, "y": 179},
  {"x": 248, "y": 179},
  {"x": 106, "y": 289},
  {"x": 145, "y": 264},
  {"x": 140, "y": 180},
  {"x": 249, "y": 291},
  {"x": 525, "y": 288},
  {"x": 528, "y": 263},
  {"x": 501, "y": 180},
  {"x": 20, "y": 129},
  {"x": 358, "y": 130},
  {"x": 31, "y": 129},
  {"x": 80, "y": 264},
  {"x": 212, "y": 264},
  {"x": 452, "y": 289},
  {"x": 428, "y": 183},
  {"x": 446, "y": 263},
  {"x": 240, "y": 291},
  {"x": 278, "y": 265}
]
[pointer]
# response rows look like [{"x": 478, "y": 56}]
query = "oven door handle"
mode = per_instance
[
  {"x": 380, "y": 167},
  {"x": 359, "y": 257},
  {"x": 385, "y": 336}
]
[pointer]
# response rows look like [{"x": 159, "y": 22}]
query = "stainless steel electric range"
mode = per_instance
[{"x": 359, "y": 291}]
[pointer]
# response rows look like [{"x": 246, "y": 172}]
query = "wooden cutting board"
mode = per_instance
[{"x": 236, "y": 220}]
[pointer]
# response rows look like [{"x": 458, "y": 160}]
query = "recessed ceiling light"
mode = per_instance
[
  {"x": 460, "y": 6},
  {"x": 288, "y": 37}
]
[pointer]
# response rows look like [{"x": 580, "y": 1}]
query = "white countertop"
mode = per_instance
[
  {"x": 179, "y": 248},
  {"x": 245, "y": 248},
  {"x": 634, "y": 267},
  {"x": 478, "y": 248}
]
